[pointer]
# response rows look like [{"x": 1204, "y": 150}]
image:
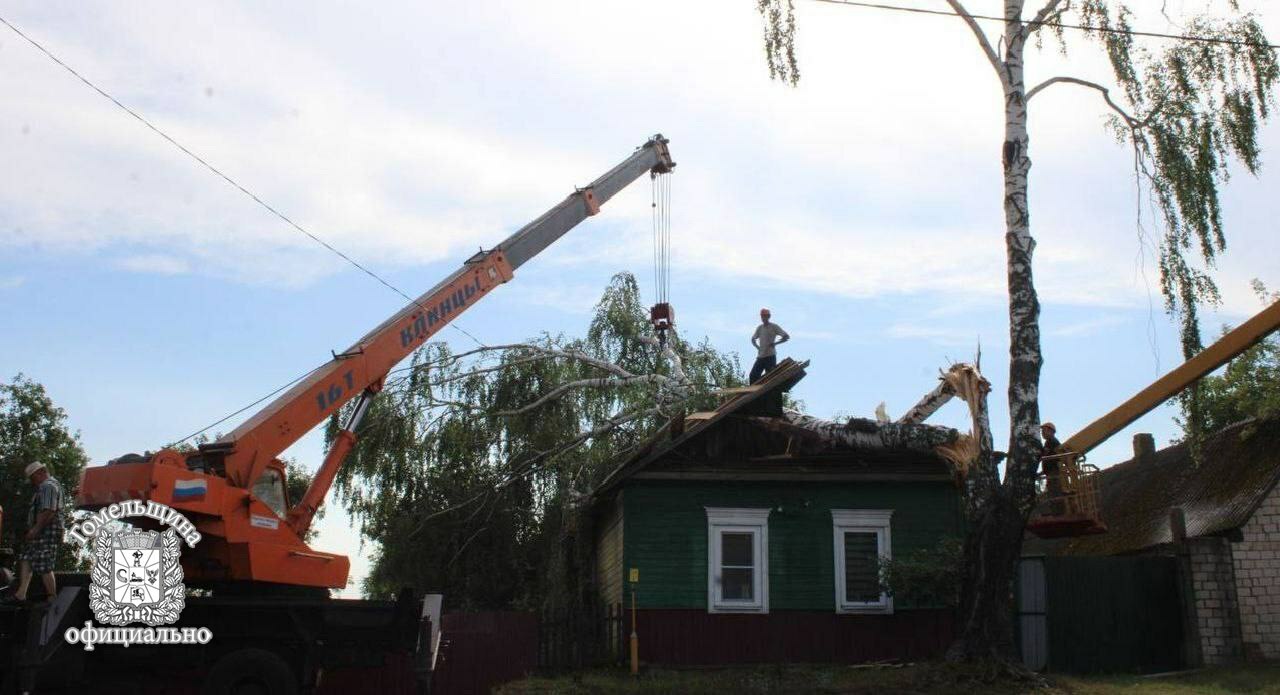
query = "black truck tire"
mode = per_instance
[{"x": 250, "y": 672}]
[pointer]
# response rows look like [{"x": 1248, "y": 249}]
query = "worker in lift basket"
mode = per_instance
[
  {"x": 767, "y": 335},
  {"x": 1051, "y": 464},
  {"x": 44, "y": 533}
]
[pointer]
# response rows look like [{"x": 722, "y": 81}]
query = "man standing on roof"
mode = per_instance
[
  {"x": 767, "y": 335},
  {"x": 44, "y": 533}
]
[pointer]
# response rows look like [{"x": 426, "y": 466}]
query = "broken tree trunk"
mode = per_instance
[
  {"x": 863, "y": 434},
  {"x": 929, "y": 405}
]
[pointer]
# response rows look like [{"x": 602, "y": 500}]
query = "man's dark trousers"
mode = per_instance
[{"x": 762, "y": 366}]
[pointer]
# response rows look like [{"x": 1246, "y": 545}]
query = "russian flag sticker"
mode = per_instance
[{"x": 193, "y": 489}]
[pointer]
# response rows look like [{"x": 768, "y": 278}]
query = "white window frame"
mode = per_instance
[
  {"x": 860, "y": 521},
  {"x": 734, "y": 520}
]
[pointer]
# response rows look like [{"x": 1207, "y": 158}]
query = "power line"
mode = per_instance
[
  {"x": 206, "y": 428},
  {"x": 141, "y": 119},
  {"x": 243, "y": 190},
  {"x": 1061, "y": 25}
]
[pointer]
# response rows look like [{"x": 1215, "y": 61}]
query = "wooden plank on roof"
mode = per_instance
[
  {"x": 737, "y": 390},
  {"x": 781, "y": 378}
]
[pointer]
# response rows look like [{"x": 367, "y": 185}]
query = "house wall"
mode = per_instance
[
  {"x": 666, "y": 534},
  {"x": 1256, "y": 561},
  {"x": 666, "y": 540},
  {"x": 1214, "y": 586},
  {"x": 691, "y": 637},
  {"x": 609, "y": 555}
]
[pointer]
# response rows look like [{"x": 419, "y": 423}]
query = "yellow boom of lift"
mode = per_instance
[{"x": 1074, "y": 510}]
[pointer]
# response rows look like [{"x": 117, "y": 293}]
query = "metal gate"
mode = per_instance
[
  {"x": 480, "y": 651},
  {"x": 1100, "y": 614}
]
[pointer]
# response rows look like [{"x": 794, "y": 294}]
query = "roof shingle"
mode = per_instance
[{"x": 1240, "y": 465}]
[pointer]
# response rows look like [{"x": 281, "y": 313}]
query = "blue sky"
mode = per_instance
[{"x": 862, "y": 207}]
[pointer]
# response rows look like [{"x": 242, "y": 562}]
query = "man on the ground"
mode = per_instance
[{"x": 44, "y": 533}]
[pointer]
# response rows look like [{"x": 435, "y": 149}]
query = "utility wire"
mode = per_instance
[
  {"x": 206, "y": 428},
  {"x": 1061, "y": 25},
  {"x": 141, "y": 119}
]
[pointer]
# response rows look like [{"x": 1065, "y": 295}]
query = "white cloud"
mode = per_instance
[
  {"x": 946, "y": 336},
  {"x": 1085, "y": 328},
  {"x": 429, "y": 131},
  {"x": 159, "y": 264},
  {"x": 12, "y": 282}
]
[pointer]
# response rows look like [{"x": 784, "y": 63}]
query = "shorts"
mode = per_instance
[{"x": 42, "y": 552}]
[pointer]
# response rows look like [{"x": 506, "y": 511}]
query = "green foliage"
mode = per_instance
[
  {"x": 1193, "y": 107},
  {"x": 1196, "y": 107},
  {"x": 926, "y": 577},
  {"x": 33, "y": 429},
  {"x": 467, "y": 493},
  {"x": 297, "y": 479},
  {"x": 779, "y": 39},
  {"x": 1250, "y": 385}
]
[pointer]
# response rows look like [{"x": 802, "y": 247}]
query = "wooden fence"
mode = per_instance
[{"x": 598, "y": 637}]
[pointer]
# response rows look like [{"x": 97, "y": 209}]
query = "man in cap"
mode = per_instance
[
  {"x": 1050, "y": 463},
  {"x": 44, "y": 532},
  {"x": 767, "y": 335}
]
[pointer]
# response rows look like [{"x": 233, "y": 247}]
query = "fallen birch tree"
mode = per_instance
[{"x": 471, "y": 463}]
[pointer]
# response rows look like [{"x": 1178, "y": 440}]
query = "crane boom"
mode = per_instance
[
  {"x": 366, "y": 363},
  {"x": 233, "y": 489},
  {"x": 1223, "y": 350}
]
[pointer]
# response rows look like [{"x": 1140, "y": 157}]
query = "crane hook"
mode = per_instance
[{"x": 663, "y": 318}]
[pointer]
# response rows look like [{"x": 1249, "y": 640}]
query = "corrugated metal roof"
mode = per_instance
[{"x": 1240, "y": 465}]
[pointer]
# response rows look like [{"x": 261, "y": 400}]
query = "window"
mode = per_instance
[
  {"x": 861, "y": 539},
  {"x": 269, "y": 488},
  {"x": 737, "y": 560}
]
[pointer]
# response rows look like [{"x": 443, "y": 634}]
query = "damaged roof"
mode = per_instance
[
  {"x": 747, "y": 435},
  {"x": 1240, "y": 465}
]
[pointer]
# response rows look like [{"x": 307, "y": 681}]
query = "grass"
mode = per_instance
[
  {"x": 916, "y": 678},
  {"x": 1254, "y": 678}
]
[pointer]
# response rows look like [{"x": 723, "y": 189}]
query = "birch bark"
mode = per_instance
[{"x": 998, "y": 512}]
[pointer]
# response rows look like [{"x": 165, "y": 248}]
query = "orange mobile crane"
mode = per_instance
[
  {"x": 251, "y": 533},
  {"x": 1070, "y": 507},
  {"x": 266, "y": 586}
]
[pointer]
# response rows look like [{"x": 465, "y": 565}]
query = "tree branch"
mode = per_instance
[
  {"x": 1050, "y": 8},
  {"x": 981, "y": 36},
  {"x": 530, "y": 464},
  {"x": 598, "y": 382},
  {"x": 1106, "y": 95}
]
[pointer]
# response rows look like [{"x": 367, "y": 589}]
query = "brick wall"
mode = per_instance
[
  {"x": 1256, "y": 560},
  {"x": 1217, "y": 612}
]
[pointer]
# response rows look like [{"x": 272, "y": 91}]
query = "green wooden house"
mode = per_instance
[{"x": 749, "y": 541}]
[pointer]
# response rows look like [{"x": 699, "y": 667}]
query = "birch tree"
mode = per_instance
[{"x": 1187, "y": 109}]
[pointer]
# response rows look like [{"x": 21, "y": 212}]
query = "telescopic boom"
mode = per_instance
[{"x": 233, "y": 489}]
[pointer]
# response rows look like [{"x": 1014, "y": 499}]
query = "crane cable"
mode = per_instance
[{"x": 660, "y": 191}]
